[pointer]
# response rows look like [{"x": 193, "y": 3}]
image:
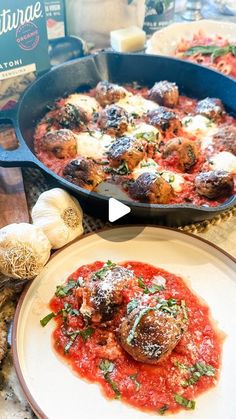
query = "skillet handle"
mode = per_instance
[{"x": 21, "y": 156}]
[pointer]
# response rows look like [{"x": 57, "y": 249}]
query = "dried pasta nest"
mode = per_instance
[{"x": 20, "y": 262}]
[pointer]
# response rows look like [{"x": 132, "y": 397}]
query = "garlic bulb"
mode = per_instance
[
  {"x": 59, "y": 215},
  {"x": 24, "y": 250}
]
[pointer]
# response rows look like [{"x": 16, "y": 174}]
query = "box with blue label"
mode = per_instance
[
  {"x": 23, "y": 44},
  {"x": 55, "y": 14}
]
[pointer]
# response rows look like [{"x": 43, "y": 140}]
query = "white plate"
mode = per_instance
[
  {"x": 51, "y": 387},
  {"x": 165, "y": 41}
]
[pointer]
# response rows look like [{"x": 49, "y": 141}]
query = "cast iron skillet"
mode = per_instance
[{"x": 79, "y": 75}]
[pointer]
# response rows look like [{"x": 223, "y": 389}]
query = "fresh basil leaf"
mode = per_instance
[
  {"x": 87, "y": 333},
  {"x": 133, "y": 377},
  {"x": 189, "y": 404},
  {"x": 184, "y": 310},
  {"x": 106, "y": 366},
  {"x": 64, "y": 290},
  {"x": 163, "y": 409},
  {"x": 132, "y": 305},
  {"x": 47, "y": 319},
  {"x": 113, "y": 385}
]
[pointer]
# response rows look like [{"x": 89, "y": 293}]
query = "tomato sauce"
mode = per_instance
[{"x": 148, "y": 387}]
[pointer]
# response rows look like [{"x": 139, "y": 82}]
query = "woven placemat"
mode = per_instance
[{"x": 36, "y": 182}]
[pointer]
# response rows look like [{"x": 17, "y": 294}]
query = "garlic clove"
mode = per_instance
[
  {"x": 24, "y": 250},
  {"x": 59, "y": 215}
]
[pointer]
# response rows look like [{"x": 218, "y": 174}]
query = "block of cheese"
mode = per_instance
[{"x": 128, "y": 39}]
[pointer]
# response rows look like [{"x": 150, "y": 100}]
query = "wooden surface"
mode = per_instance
[{"x": 13, "y": 204}]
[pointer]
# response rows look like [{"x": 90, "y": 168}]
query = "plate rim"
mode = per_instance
[{"x": 26, "y": 391}]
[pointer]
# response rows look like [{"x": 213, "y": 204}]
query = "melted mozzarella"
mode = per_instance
[
  {"x": 136, "y": 104},
  {"x": 145, "y": 166},
  {"x": 197, "y": 124},
  {"x": 87, "y": 103},
  {"x": 200, "y": 126},
  {"x": 224, "y": 161},
  {"x": 94, "y": 145},
  {"x": 174, "y": 179},
  {"x": 146, "y": 132}
]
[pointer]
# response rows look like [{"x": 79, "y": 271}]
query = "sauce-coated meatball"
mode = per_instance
[
  {"x": 71, "y": 116},
  {"x": 211, "y": 108},
  {"x": 186, "y": 151},
  {"x": 114, "y": 120},
  {"x": 149, "y": 334},
  {"x": 164, "y": 120},
  {"x": 109, "y": 93},
  {"x": 126, "y": 150},
  {"x": 152, "y": 188},
  {"x": 165, "y": 93},
  {"x": 225, "y": 139},
  {"x": 84, "y": 173},
  {"x": 214, "y": 184},
  {"x": 103, "y": 293},
  {"x": 62, "y": 143}
]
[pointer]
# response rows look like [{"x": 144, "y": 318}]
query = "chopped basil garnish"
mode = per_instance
[
  {"x": 107, "y": 367},
  {"x": 47, "y": 319},
  {"x": 189, "y": 404},
  {"x": 163, "y": 409},
  {"x": 64, "y": 290},
  {"x": 132, "y": 305},
  {"x": 184, "y": 310},
  {"x": 213, "y": 50},
  {"x": 133, "y": 377},
  {"x": 196, "y": 371},
  {"x": 136, "y": 322},
  {"x": 85, "y": 334},
  {"x": 109, "y": 265},
  {"x": 149, "y": 290}
]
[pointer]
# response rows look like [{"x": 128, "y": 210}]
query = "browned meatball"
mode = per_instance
[
  {"x": 103, "y": 292},
  {"x": 71, "y": 116},
  {"x": 84, "y": 173},
  {"x": 108, "y": 93},
  {"x": 126, "y": 150},
  {"x": 186, "y": 150},
  {"x": 62, "y": 143},
  {"x": 148, "y": 333},
  {"x": 164, "y": 120},
  {"x": 152, "y": 188},
  {"x": 165, "y": 93},
  {"x": 211, "y": 108},
  {"x": 214, "y": 184},
  {"x": 113, "y": 120},
  {"x": 225, "y": 139}
]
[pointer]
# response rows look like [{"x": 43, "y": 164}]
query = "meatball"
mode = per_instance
[
  {"x": 126, "y": 150},
  {"x": 165, "y": 93},
  {"x": 211, "y": 108},
  {"x": 84, "y": 173},
  {"x": 109, "y": 93},
  {"x": 71, "y": 116},
  {"x": 148, "y": 333},
  {"x": 152, "y": 188},
  {"x": 225, "y": 139},
  {"x": 164, "y": 120},
  {"x": 62, "y": 143},
  {"x": 186, "y": 151},
  {"x": 114, "y": 120},
  {"x": 103, "y": 293},
  {"x": 214, "y": 184}
]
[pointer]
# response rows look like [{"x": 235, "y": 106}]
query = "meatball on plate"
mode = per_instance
[{"x": 152, "y": 144}]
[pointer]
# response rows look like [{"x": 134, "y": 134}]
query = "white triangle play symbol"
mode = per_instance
[{"x": 117, "y": 210}]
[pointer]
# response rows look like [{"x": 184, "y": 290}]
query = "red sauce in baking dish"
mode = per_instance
[{"x": 147, "y": 387}]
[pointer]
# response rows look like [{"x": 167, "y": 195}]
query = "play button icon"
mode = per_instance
[{"x": 117, "y": 210}]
